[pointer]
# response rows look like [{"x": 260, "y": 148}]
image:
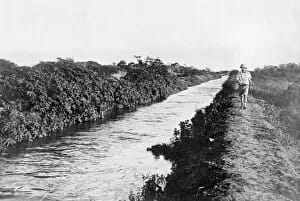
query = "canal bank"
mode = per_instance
[
  {"x": 263, "y": 157},
  {"x": 196, "y": 152},
  {"x": 103, "y": 161},
  {"x": 227, "y": 153}
]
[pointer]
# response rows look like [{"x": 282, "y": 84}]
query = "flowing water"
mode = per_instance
[{"x": 100, "y": 161}]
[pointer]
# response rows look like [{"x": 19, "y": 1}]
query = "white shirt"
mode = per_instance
[{"x": 244, "y": 78}]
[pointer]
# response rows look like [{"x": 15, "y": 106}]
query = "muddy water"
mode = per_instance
[{"x": 100, "y": 161}]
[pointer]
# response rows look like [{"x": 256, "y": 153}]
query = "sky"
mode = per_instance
[{"x": 219, "y": 34}]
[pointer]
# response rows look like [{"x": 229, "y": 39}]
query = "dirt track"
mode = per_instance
[{"x": 262, "y": 160}]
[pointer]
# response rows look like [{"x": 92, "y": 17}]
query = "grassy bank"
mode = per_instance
[
  {"x": 263, "y": 157},
  {"x": 280, "y": 86},
  {"x": 36, "y": 101},
  {"x": 196, "y": 154}
]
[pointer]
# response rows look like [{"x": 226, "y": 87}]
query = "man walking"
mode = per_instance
[{"x": 244, "y": 81}]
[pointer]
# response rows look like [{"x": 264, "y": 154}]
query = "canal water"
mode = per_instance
[{"x": 100, "y": 161}]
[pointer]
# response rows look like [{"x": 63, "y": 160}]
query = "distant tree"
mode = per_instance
[
  {"x": 131, "y": 64},
  {"x": 138, "y": 59},
  {"x": 291, "y": 65},
  {"x": 282, "y": 65},
  {"x": 68, "y": 59},
  {"x": 175, "y": 64},
  {"x": 6, "y": 65},
  {"x": 122, "y": 63},
  {"x": 149, "y": 61},
  {"x": 207, "y": 69},
  {"x": 158, "y": 62}
]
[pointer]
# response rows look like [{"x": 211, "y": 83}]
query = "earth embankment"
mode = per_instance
[
  {"x": 228, "y": 153},
  {"x": 262, "y": 159}
]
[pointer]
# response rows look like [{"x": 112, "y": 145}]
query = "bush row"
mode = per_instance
[{"x": 36, "y": 101}]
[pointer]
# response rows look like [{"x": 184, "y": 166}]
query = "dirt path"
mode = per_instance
[{"x": 263, "y": 162}]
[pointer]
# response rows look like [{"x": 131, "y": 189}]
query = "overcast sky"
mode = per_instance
[{"x": 219, "y": 34}]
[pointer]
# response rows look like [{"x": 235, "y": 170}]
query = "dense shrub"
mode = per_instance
[
  {"x": 51, "y": 95},
  {"x": 35, "y": 101},
  {"x": 6, "y": 65}
]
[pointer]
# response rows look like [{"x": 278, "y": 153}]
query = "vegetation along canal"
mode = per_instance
[{"x": 101, "y": 161}]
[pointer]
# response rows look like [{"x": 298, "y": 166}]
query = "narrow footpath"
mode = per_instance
[{"x": 262, "y": 160}]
